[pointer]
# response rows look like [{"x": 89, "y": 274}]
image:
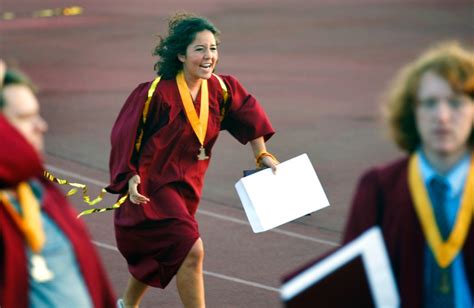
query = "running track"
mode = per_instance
[{"x": 318, "y": 67}]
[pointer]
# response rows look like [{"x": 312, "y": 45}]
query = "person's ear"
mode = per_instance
[{"x": 181, "y": 57}]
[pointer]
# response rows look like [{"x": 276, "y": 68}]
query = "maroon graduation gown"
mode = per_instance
[
  {"x": 383, "y": 197},
  {"x": 156, "y": 237},
  {"x": 19, "y": 162}
]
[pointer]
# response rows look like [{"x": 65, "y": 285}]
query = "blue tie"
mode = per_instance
[{"x": 439, "y": 285}]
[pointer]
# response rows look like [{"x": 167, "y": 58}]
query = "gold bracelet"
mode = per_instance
[{"x": 258, "y": 159}]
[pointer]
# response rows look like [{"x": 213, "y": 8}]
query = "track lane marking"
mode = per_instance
[{"x": 208, "y": 273}]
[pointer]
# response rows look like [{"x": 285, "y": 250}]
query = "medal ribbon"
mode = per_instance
[
  {"x": 199, "y": 124},
  {"x": 29, "y": 222},
  {"x": 443, "y": 251}
]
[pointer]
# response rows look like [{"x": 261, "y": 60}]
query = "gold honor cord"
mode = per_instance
[
  {"x": 199, "y": 124},
  {"x": 85, "y": 196},
  {"x": 225, "y": 96},
  {"x": 151, "y": 90},
  {"x": 105, "y": 209},
  {"x": 73, "y": 191},
  {"x": 444, "y": 252}
]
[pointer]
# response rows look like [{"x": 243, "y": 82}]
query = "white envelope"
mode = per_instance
[{"x": 271, "y": 199}]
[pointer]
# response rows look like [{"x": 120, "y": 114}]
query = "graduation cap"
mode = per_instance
[{"x": 357, "y": 274}]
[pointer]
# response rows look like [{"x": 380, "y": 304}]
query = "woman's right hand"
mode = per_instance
[{"x": 133, "y": 194}]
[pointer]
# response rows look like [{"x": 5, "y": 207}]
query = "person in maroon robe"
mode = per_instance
[
  {"x": 430, "y": 108},
  {"x": 160, "y": 238},
  {"x": 74, "y": 274}
]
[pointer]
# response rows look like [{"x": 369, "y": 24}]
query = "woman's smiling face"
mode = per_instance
[{"x": 201, "y": 56}]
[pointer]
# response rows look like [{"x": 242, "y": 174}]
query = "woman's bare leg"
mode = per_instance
[
  {"x": 189, "y": 279},
  {"x": 133, "y": 293}
]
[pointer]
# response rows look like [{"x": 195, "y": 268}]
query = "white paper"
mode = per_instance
[
  {"x": 271, "y": 199},
  {"x": 371, "y": 248}
]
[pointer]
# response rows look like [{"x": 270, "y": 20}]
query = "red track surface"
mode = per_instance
[{"x": 318, "y": 67}]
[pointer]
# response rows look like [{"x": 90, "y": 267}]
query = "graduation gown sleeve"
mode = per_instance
[
  {"x": 245, "y": 118},
  {"x": 123, "y": 156},
  {"x": 366, "y": 205}
]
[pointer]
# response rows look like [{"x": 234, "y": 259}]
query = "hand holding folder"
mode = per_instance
[{"x": 272, "y": 199}]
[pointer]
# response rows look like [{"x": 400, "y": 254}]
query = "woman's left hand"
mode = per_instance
[{"x": 269, "y": 162}]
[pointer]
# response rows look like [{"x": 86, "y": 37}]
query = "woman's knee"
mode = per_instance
[{"x": 195, "y": 256}]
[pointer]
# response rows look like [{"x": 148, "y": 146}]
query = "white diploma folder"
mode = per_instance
[{"x": 271, "y": 200}]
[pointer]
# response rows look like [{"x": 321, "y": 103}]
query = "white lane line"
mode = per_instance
[
  {"x": 200, "y": 211},
  {"x": 242, "y": 281},
  {"x": 288, "y": 233},
  {"x": 304, "y": 237},
  {"x": 106, "y": 246},
  {"x": 208, "y": 273}
]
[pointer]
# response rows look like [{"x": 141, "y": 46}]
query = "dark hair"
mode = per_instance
[
  {"x": 449, "y": 60},
  {"x": 13, "y": 77},
  {"x": 182, "y": 29}
]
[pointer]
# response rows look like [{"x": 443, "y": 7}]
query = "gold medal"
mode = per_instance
[
  {"x": 199, "y": 124},
  {"x": 39, "y": 269},
  {"x": 202, "y": 154}
]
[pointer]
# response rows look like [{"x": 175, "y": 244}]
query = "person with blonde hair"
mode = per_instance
[{"x": 424, "y": 203}]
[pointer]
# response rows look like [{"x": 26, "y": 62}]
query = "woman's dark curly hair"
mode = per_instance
[{"x": 182, "y": 29}]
